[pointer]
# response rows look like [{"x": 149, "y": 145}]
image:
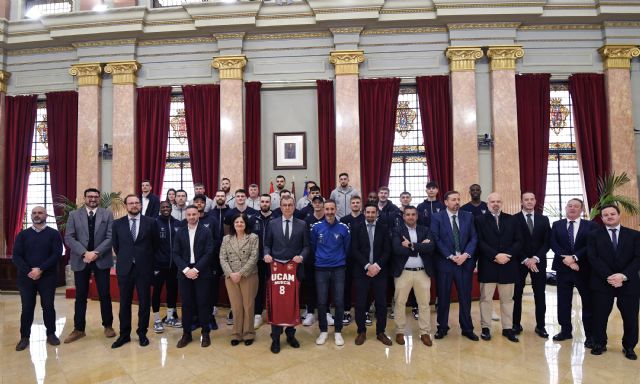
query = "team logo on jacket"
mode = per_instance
[
  {"x": 289, "y": 267},
  {"x": 336, "y": 235}
]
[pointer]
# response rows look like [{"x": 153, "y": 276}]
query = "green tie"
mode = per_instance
[{"x": 456, "y": 235}]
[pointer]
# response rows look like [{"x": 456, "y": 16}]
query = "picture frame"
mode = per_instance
[{"x": 290, "y": 150}]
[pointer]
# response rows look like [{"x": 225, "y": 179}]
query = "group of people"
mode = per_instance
[{"x": 340, "y": 245}]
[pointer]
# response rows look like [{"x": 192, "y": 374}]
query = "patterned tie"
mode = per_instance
[
  {"x": 370, "y": 231},
  {"x": 91, "y": 214},
  {"x": 614, "y": 238},
  {"x": 286, "y": 230},
  {"x": 134, "y": 231},
  {"x": 571, "y": 236},
  {"x": 530, "y": 223},
  {"x": 456, "y": 235}
]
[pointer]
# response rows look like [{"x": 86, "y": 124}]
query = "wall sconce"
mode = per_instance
[
  {"x": 106, "y": 151},
  {"x": 485, "y": 141}
]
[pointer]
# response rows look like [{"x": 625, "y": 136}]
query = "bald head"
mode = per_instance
[
  {"x": 494, "y": 201},
  {"x": 38, "y": 216}
]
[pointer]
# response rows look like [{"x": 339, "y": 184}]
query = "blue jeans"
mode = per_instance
[{"x": 334, "y": 278}]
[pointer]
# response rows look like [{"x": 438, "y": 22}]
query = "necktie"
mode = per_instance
[
  {"x": 571, "y": 235},
  {"x": 91, "y": 214},
  {"x": 530, "y": 223},
  {"x": 134, "y": 230},
  {"x": 497, "y": 217},
  {"x": 286, "y": 230},
  {"x": 370, "y": 231},
  {"x": 456, "y": 235},
  {"x": 614, "y": 238}
]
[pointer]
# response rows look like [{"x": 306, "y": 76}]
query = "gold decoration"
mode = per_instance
[
  {"x": 463, "y": 58},
  {"x": 347, "y": 62},
  {"x": 483, "y": 26},
  {"x": 393, "y": 31},
  {"x": 189, "y": 40},
  {"x": 38, "y": 51},
  {"x": 103, "y": 43},
  {"x": 503, "y": 57},
  {"x": 282, "y": 36},
  {"x": 221, "y": 36},
  {"x": 4, "y": 78},
  {"x": 179, "y": 126},
  {"x": 123, "y": 72},
  {"x": 230, "y": 67},
  {"x": 559, "y": 113},
  {"x": 346, "y": 10},
  {"x": 43, "y": 132},
  {"x": 346, "y": 30},
  {"x": 87, "y": 73},
  {"x": 560, "y": 27},
  {"x": 406, "y": 10},
  {"x": 405, "y": 116},
  {"x": 618, "y": 56}
]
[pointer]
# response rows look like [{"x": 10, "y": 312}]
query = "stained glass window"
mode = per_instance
[
  {"x": 177, "y": 173},
  {"x": 36, "y": 8},
  {"x": 409, "y": 164}
]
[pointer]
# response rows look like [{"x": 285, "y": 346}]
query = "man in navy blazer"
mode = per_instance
[
  {"x": 569, "y": 246},
  {"x": 150, "y": 203},
  {"x": 536, "y": 234},
  {"x": 135, "y": 240},
  {"x": 456, "y": 242},
  {"x": 614, "y": 254}
]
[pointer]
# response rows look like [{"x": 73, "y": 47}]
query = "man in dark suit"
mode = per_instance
[
  {"x": 88, "y": 236},
  {"x": 370, "y": 252},
  {"x": 536, "y": 234},
  {"x": 193, "y": 253},
  {"x": 135, "y": 240},
  {"x": 413, "y": 247},
  {"x": 150, "y": 202},
  {"x": 456, "y": 241},
  {"x": 279, "y": 248},
  {"x": 614, "y": 254},
  {"x": 570, "y": 261},
  {"x": 499, "y": 242}
]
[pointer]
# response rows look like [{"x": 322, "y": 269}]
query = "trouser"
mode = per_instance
[
  {"x": 276, "y": 331},
  {"x": 333, "y": 278},
  {"x": 81, "y": 279},
  {"x": 242, "y": 298},
  {"x": 162, "y": 276},
  {"x": 420, "y": 282},
  {"x": 309, "y": 288},
  {"x": 628, "y": 306},
  {"x": 141, "y": 281},
  {"x": 348, "y": 285},
  {"x": 262, "y": 290},
  {"x": 538, "y": 283},
  {"x": 506, "y": 304},
  {"x": 565, "y": 284},
  {"x": 45, "y": 286},
  {"x": 196, "y": 299},
  {"x": 363, "y": 284},
  {"x": 462, "y": 277}
]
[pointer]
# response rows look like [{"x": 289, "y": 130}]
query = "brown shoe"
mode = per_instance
[
  {"x": 426, "y": 340},
  {"x": 74, "y": 335},
  {"x": 384, "y": 339},
  {"x": 400, "y": 338},
  {"x": 361, "y": 338},
  {"x": 206, "y": 340},
  {"x": 109, "y": 332},
  {"x": 184, "y": 341}
]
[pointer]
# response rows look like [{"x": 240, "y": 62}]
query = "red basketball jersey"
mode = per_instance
[{"x": 283, "y": 307}]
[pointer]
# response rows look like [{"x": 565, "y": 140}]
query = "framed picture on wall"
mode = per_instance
[{"x": 290, "y": 150}]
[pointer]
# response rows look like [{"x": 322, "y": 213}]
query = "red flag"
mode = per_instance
[
  {"x": 293, "y": 188},
  {"x": 271, "y": 190}
]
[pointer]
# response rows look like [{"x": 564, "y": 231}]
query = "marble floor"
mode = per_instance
[{"x": 453, "y": 359}]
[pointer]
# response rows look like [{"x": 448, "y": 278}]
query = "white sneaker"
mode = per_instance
[
  {"x": 309, "y": 319},
  {"x": 329, "y": 319},
  {"x": 158, "y": 327},
  {"x": 257, "y": 321},
  {"x": 322, "y": 338},
  {"x": 339, "y": 339}
]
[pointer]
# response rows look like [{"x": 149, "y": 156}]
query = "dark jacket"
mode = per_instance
[
  {"x": 538, "y": 243},
  {"x": 560, "y": 246},
  {"x": 360, "y": 247},
  {"x": 420, "y": 249},
  {"x": 167, "y": 229},
  {"x": 153, "y": 208},
  {"x": 202, "y": 250},
  {"x": 143, "y": 249},
  {"x": 491, "y": 241},
  {"x": 606, "y": 261}
]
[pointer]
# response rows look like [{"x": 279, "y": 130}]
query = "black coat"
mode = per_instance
[
  {"x": 538, "y": 243},
  {"x": 360, "y": 247},
  {"x": 423, "y": 250},
  {"x": 493, "y": 240},
  {"x": 203, "y": 246},
  {"x": 606, "y": 261},
  {"x": 143, "y": 249}
]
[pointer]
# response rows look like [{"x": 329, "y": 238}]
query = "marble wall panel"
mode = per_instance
[
  {"x": 89, "y": 173},
  {"x": 348, "y": 129},
  {"x": 124, "y": 139},
  {"x": 232, "y": 131}
]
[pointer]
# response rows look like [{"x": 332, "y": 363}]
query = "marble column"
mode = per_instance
[
  {"x": 231, "y": 117},
  {"x": 4, "y": 78},
  {"x": 124, "y": 129},
  {"x": 617, "y": 64},
  {"x": 347, "y": 114},
  {"x": 462, "y": 63},
  {"x": 89, "y": 170},
  {"x": 504, "y": 112}
]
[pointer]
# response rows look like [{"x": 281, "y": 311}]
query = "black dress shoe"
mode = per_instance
[
  {"x": 275, "y": 346},
  {"x": 510, "y": 335},
  {"x": 540, "y": 331},
  {"x": 440, "y": 334},
  {"x": 53, "y": 340},
  {"x": 486, "y": 334},
  {"x": 562, "y": 336},
  {"x": 517, "y": 329},
  {"x": 22, "y": 344},
  {"x": 144, "y": 341},
  {"x": 629, "y": 353},
  {"x": 235, "y": 342},
  {"x": 120, "y": 341},
  {"x": 589, "y": 343},
  {"x": 598, "y": 349},
  {"x": 184, "y": 341},
  {"x": 248, "y": 342},
  {"x": 206, "y": 340},
  {"x": 293, "y": 342},
  {"x": 470, "y": 335}
]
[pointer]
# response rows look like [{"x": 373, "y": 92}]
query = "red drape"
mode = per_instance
[
  {"x": 21, "y": 118},
  {"x": 437, "y": 128},
  {"x": 202, "y": 112},
  {"x": 152, "y": 125},
  {"x": 252, "y": 123},
  {"x": 592, "y": 129},
  {"x": 378, "y": 104},
  {"x": 62, "y": 132},
  {"x": 533, "y": 103},
  {"x": 326, "y": 135}
]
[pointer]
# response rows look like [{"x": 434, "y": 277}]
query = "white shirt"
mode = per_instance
[
  {"x": 145, "y": 203},
  {"x": 525, "y": 213},
  {"x": 284, "y": 225},
  {"x": 413, "y": 262},
  {"x": 192, "y": 237},
  {"x": 576, "y": 226},
  {"x": 617, "y": 228},
  {"x": 92, "y": 210}
]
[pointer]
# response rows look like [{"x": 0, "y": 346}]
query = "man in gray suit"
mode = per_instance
[
  {"x": 286, "y": 239},
  {"x": 88, "y": 236}
]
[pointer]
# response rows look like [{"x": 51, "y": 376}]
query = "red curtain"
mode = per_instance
[
  {"x": 252, "y": 123},
  {"x": 533, "y": 103},
  {"x": 202, "y": 112},
  {"x": 592, "y": 129},
  {"x": 152, "y": 125},
  {"x": 62, "y": 132},
  {"x": 437, "y": 128},
  {"x": 378, "y": 104},
  {"x": 326, "y": 135},
  {"x": 21, "y": 118}
]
